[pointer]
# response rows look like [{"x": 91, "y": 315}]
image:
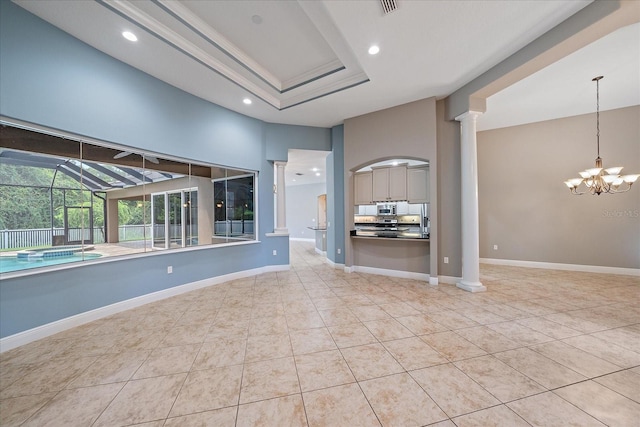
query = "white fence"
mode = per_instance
[{"x": 36, "y": 237}]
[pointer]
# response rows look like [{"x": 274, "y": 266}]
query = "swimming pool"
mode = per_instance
[{"x": 13, "y": 263}]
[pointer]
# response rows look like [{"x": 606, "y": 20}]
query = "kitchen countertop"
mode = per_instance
[
  {"x": 401, "y": 235},
  {"x": 317, "y": 228}
]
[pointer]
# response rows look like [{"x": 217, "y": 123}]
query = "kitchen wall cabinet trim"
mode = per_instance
[
  {"x": 418, "y": 184},
  {"x": 363, "y": 188},
  {"x": 390, "y": 184}
]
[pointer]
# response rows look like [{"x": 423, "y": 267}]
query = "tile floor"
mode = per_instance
[{"x": 315, "y": 346}]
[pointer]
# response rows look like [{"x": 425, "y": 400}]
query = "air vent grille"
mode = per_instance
[{"x": 389, "y": 6}]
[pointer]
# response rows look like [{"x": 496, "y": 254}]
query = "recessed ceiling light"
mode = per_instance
[
  {"x": 317, "y": 173},
  {"x": 256, "y": 19},
  {"x": 374, "y": 49},
  {"x": 315, "y": 169},
  {"x": 247, "y": 101},
  {"x": 129, "y": 36}
]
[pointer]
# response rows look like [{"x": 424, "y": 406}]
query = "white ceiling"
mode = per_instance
[{"x": 306, "y": 62}]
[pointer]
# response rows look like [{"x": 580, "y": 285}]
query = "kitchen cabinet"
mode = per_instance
[
  {"x": 363, "y": 188},
  {"x": 389, "y": 184},
  {"x": 418, "y": 184}
]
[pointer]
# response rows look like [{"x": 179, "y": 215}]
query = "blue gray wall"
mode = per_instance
[
  {"x": 335, "y": 197},
  {"x": 302, "y": 209},
  {"x": 51, "y": 79}
]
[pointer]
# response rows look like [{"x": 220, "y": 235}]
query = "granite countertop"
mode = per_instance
[
  {"x": 390, "y": 235},
  {"x": 317, "y": 228}
]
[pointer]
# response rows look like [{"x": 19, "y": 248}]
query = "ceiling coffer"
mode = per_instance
[{"x": 389, "y": 6}]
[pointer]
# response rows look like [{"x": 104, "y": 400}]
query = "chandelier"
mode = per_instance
[{"x": 599, "y": 180}]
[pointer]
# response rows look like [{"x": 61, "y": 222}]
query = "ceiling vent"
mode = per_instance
[
  {"x": 389, "y": 6},
  {"x": 299, "y": 174}
]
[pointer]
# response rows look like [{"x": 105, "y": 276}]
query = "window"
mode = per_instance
[{"x": 65, "y": 200}]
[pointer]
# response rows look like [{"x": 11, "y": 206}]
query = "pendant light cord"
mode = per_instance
[{"x": 597, "y": 80}]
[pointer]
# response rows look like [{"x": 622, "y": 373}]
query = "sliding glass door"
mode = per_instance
[{"x": 174, "y": 221}]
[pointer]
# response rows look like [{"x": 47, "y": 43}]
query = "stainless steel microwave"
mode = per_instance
[{"x": 387, "y": 209}]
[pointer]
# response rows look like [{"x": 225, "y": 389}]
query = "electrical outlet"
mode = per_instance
[
  {"x": 495, "y": 247},
  {"x": 275, "y": 252},
  {"x": 446, "y": 260},
  {"x": 339, "y": 251},
  {"x": 170, "y": 269}
]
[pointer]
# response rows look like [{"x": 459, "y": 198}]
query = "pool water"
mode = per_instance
[{"x": 12, "y": 263}]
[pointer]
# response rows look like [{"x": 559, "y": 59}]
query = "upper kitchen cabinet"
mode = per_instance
[
  {"x": 363, "y": 188},
  {"x": 390, "y": 184},
  {"x": 418, "y": 184}
]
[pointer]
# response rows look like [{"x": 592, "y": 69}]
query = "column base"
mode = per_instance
[
  {"x": 471, "y": 286},
  {"x": 281, "y": 231}
]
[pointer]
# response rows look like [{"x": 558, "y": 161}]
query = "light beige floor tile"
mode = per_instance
[
  {"x": 413, "y": 353},
  {"x": 498, "y": 378},
  {"x": 482, "y": 316},
  {"x": 282, "y": 411},
  {"x": 452, "y": 390},
  {"x": 446, "y": 423},
  {"x": 388, "y": 329},
  {"x": 549, "y": 328},
  {"x": 220, "y": 352},
  {"x": 48, "y": 376},
  {"x": 269, "y": 379},
  {"x": 15, "y": 410},
  {"x": 167, "y": 361},
  {"x": 421, "y": 324},
  {"x": 519, "y": 334},
  {"x": 208, "y": 389},
  {"x": 576, "y": 359},
  {"x": 487, "y": 339},
  {"x": 398, "y": 309},
  {"x": 139, "y": 340},
  {"x": 367, "y": 313},
  {"x": 351, "y": 335},
  {"x": 182, "y": 335},
  {"x": 111, "y": 368},
  {"x": 452, "y": 345},
  {"x": 322, "y": 370},
  {"x": 576, "y": 323},
  {"x": 142, "y": 400},
  {"x": 398, "y": 400},
  {"x": 626, "y": 382},
  {"x": 225, "y": 417},
  {"x": 549, "y": 410},
  {"x": 276, "y": 325},
  {"x": 75, "y": 407},
  {"x": 338, "y": 316},
  {"x": 497, "y": 416},
  {"x": 610, "y": 352},
  {"x": 602, "y": 403},
  {"x": 370, "y": 361},
  {"x": 304, "y": 320},
  {"x": 344, "y": 405},
  {"x": 267, "y": 347},
  {"x": 624, "y": 337},
  {"x": 311, "y": 341},
  {"x": 452, "y": 320},
  {"x": 544, "y": 371}
]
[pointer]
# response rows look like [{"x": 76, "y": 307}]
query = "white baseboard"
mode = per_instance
[
  {"x": 568, "y": 267},
  {"x": 449, "y": 280},
  {"x": 39, "y": 332},
  {"x": 335, "y": 265},
  {"x": 319, "y": 252},
  {"x": 390, "y": 273}
]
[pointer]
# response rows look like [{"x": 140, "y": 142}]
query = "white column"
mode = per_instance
[
  {"x": 470, "y": 224},
  {"x": 281, "y": 205}
]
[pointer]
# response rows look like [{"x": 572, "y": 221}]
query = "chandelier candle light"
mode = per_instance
[{"x": 599, "y": 180}]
